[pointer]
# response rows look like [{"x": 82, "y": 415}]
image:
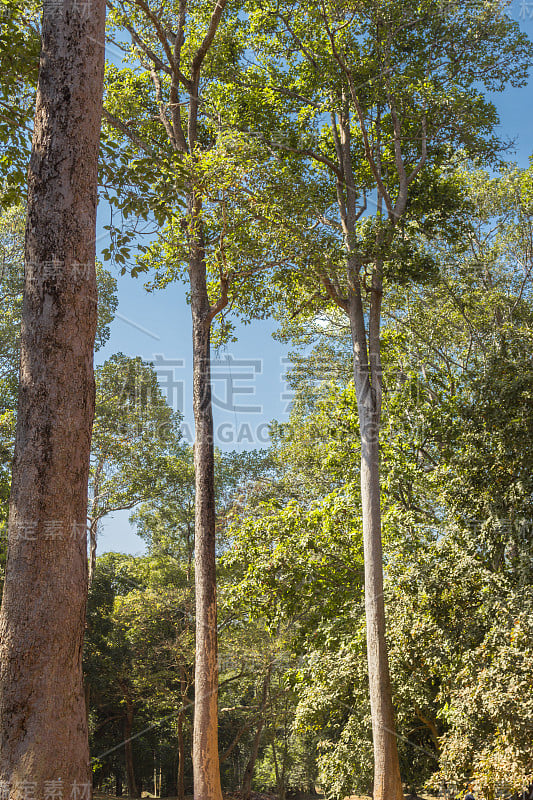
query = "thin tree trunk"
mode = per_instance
[
  {"x": 430, "y": 723},
  {"x": 280, "y": 773},
  {"x": 43, "y": 729},
  {"x": 279, "y": 783},
  {"x": 181, "y": 759},
  {"x": 387, "y": 780},
  {"x": 246, "y": 790},
  {"x": 94, "y": 519},
  {"x": 93, "y": 535},
  {"x": 87, "y": 699},
  {"x": 205, "y": 733},
  {"x": 181, "y": 739},
  {"x": 128, "y": 751},
  {"x": 190, "y": 551},
  {"x": 250, "y": 767},
  {"x": 368, "y": 381},
  {"x": 367, "y": 378}
]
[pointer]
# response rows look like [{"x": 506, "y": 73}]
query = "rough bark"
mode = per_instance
[
  {"x": 43, "y": 730},
  {"x": 205, "y": 733}
]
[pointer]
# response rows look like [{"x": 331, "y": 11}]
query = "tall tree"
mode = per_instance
[
  {"x": 43, "y": 731},
  {"x": 162, "y": 124},
  {"x": 174, "y": 58},
  {"x": 400, "y": 85}
]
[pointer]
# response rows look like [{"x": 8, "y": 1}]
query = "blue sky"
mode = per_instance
[{"x": 157, "y": 327}]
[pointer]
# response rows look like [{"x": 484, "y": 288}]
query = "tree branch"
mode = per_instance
[
  {"x": 334, "y": 293},
  {"x": 208, "y": 39},
  {"x": 122, "y": 127},
  {"x": 162, "y": 108}
]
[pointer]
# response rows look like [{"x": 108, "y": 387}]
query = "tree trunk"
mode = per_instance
[
  {"x": 249, "y": 771},
  {"x": 94, "y": 519},
  {"x": 93, "y": 532},
  {"x": 368, "y": 383},
  {"x": 87, "y": 699},
  {"x": 205, "y": 733},
  {"x": 43, "y": 729},
  {"x": 246, "y": 790},
  {"x": 181, "y": 759},
  {"x": 387, "y": 778},
  {"x": 128, "y": 751},
  {"x": 184, "y": 687},
  {"x": 280, "y": 777}
]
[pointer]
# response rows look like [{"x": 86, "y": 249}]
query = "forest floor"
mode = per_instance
[{"x": 255, "y": 796}]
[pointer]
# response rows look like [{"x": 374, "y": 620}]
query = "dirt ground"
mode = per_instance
[{"x": 255, "y": 796}]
